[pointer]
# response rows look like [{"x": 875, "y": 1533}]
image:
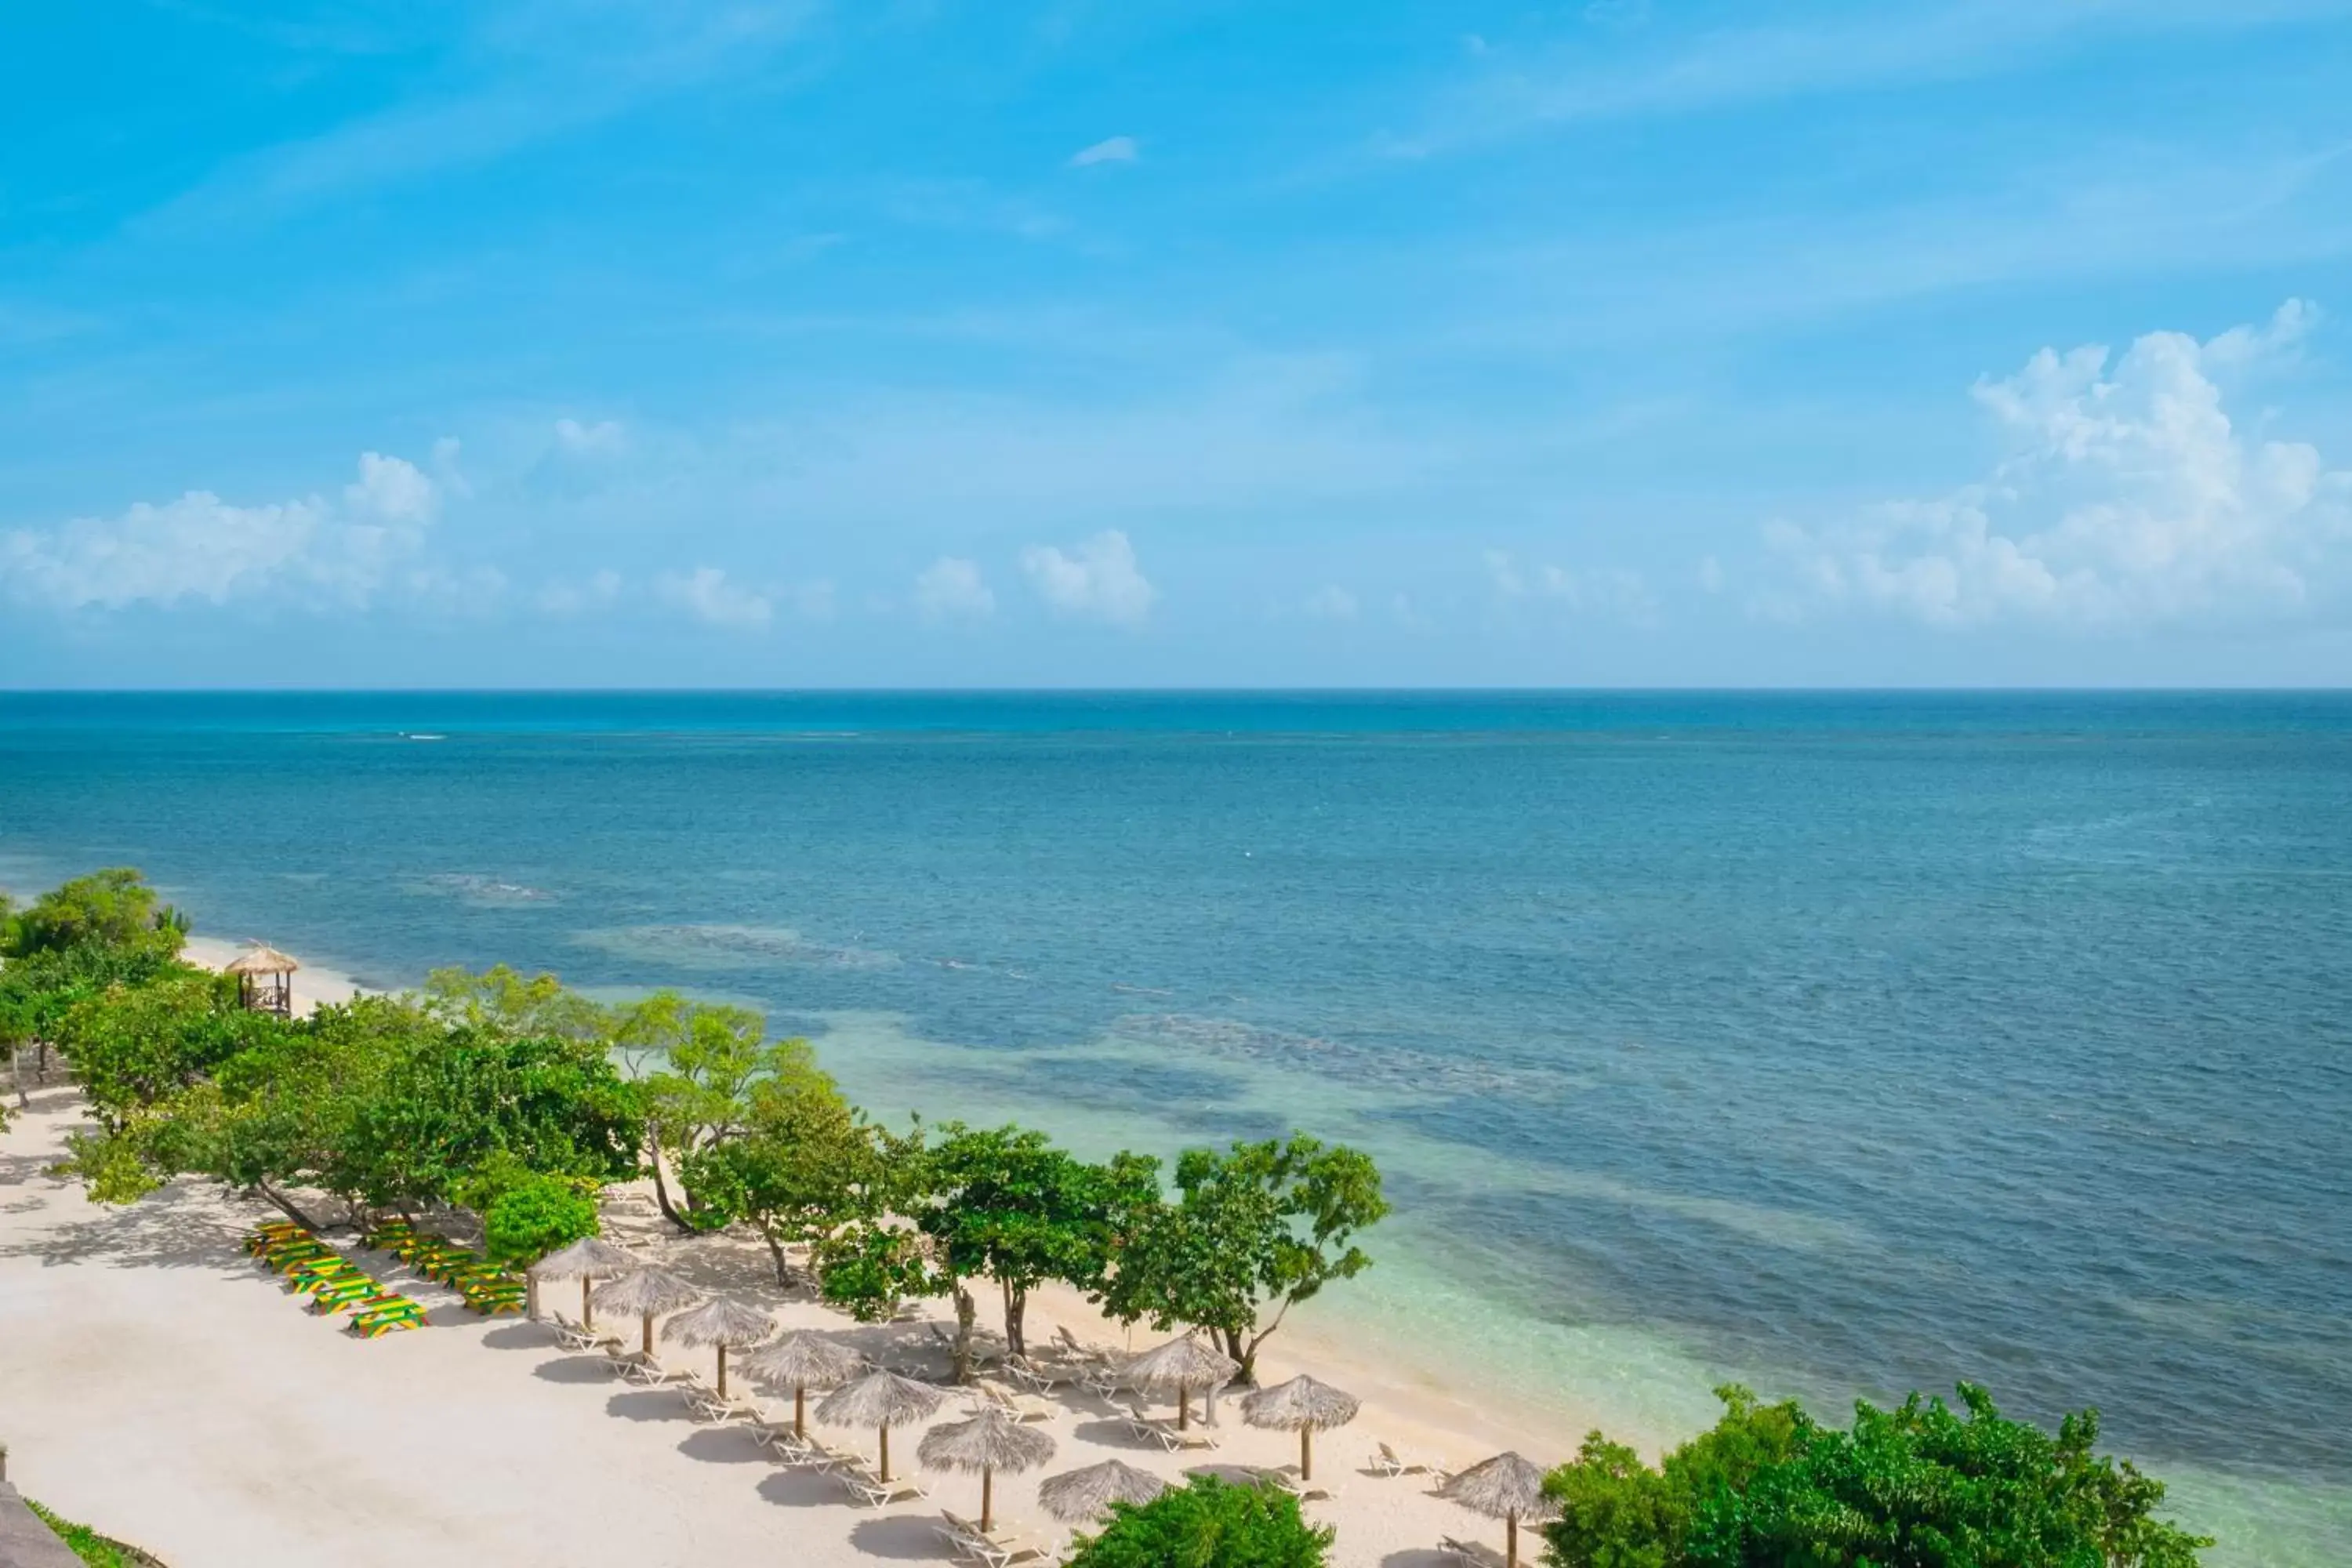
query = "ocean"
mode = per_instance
[{"x": 1840, "y": 1043}]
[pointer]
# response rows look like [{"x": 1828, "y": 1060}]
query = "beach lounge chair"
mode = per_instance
[
  {"x": 784, "y": 1445},
  {"x": 1020, "y": 1406},
  {"x": 1388, "y": 1461},
  {"x": 998, "y": 1548},
  {"x": 865, "y": 1487},
  {"x": 647, "y": 1372},
  {"x": 1476, "y": 1553}
]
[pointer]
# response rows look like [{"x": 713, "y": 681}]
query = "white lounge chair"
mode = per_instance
[
  {"x": 1004, "y": 1544},
  {"x": 864, "y": 1485},
  {"x": 1389, "y": 1462},
  {"x": 1020, "y": 1406},
  {"x": 1476, "y": 1553}
]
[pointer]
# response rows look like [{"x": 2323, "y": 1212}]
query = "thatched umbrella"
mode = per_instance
[
  {"x": 722, "y": 1322},
  {"x": 648, "y": 1292},
  {"x": 801, "y": 1362},
  {"x": 588, "y": 1260},
  {"x": 1082, "y": 1497},
  {"x": 989, "y": 1442},
  {"x": 880, "y": 1400},
  {"x": 1506, "y": 1487},
  {"x": 1179, "y": 1366},
  {"x": 1302, "y": 1405}
]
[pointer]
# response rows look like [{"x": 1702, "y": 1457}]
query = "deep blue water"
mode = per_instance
[{"x": 1846, "y": 1043}]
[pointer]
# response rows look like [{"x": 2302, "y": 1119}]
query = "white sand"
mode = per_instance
[{"x": 156, "y": 1384}]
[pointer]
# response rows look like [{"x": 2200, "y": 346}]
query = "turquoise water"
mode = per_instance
[{"x": 1843, "y": 1044}]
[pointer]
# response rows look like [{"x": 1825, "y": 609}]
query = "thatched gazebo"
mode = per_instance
[
  {"x": 647, "y": 1293},
  {"x": 588, "y": 1260},
  {"x": 1506, "y": 1487},
  {"x": 1302, "y": 1405},
  {"x": 265, "y": 979},
  {"x": 724, "y": 1322},
  {"x": 1082, "y": 1497},
  {"x": 801, "y": 1362},
  {"x": 1179, "y": 1367},
  {"x": 989, "y": 1442},
  {"x": 880, "y": 1400}
]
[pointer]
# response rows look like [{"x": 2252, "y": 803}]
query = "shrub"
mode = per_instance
[{"x": 1207, "y": 1524}]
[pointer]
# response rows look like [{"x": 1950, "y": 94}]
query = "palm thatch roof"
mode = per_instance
[
  {"x": 990, "y": 1440},
  {"x": 1081, "y": 1497},
  {"x": 804, "y": 1360},
  {"x": 589, "y": 1257},
  {"x": 1179, "y": 1367},
  {"x": 878, "y": 1399},
  {"x": 260, "y": 958},
  {"x": 1505, "y": 1487},
  {"x": 721, "y": 1320},
  {"x": 1301, "y": 1405},
  {"x": 647, "y": 1292}
]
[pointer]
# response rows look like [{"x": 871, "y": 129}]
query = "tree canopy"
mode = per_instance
[
  {"x": 1207, "y": 1523},
  {"x": 1921, "y": 1486}
]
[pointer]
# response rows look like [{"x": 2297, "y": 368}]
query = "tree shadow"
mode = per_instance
[
  {"x": 800, "y": 1488},
  {"x": 1113, "y": 1434},
  {"x": 903, "y": 1537},
  {"x": 1231, "y": 1474},
  {"x": 163, "y": 1230},
  {"x": 722, "y": 1445}
]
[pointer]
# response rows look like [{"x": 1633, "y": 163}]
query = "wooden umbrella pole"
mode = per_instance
[
  {"x": 650, "y": 1334},
  {"x": 722, "y": 1371},
  {"x": 800, "y": 1411},
  {"x": 1183, "y": 1408},
  {"x": 1511, "y": 1541},
  {"x": 587, "y": 1313},
  {"x": 1307, "y": 1453},
  {"x": 885, "y": 1452},
  {"x": 987, "y": 1498}
]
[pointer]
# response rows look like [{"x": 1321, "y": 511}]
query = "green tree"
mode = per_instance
[
  {"x": 1207, "y": 1523},
  {"x": 699, "y": 1094},
  {"x": 114, "y": 908},
  {"x": 535, "y": 1216},
  {"x": 872, "y": 1268},
  {"x": 504, "y": 1002},
  {"x": 1617, "y": 1512},
  {"x": 1253, "y": 1233},
  {"x": 132, "y": 1046},
  {"x": 804, "y": 1164}
]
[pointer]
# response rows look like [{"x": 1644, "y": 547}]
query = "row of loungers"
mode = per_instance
[
  {"x": 333, "y": 1282},
  {"x": 482, "y": 1285}
]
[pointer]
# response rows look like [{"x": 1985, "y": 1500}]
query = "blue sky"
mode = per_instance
[{"x": 649, "y": 342}]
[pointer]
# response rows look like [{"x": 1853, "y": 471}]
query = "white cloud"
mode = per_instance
[
  {"x": 2126, "y": 495},
  {"x": 1097, "y": 579},
  {"x": 605, "y": 435},
  {"x": 1610, "y": 592},
  {"x": 599, "y": 591},
  {"x": 1111, "y": 150},
  {"x": 706, "y": 595},
  {"x": 1710, "y": 574},
  {"x": 310, "y": 552},
  {"x": 1331, "y": 604},
  {"x": 950, "y": 589}
]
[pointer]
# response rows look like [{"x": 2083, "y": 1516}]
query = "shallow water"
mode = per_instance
[{"x": 1839, "y": 1043}]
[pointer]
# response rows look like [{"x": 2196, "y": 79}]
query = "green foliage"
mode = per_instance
[
  {"x": 534, "y": 1216},
  {"x": 870, "y": 1268},
  {"x": 1208, "y": 1523},
  {"x": 1262, "y": 1225},
  {"x": 1916, "y": 1487},
  {"x": 503, "y": 1002},
  {"x": 132, "y": 1046},
  {"x": 701, "y": 1096},
  {"x": 804, "y": 1163},
  {"x": 81, "y": 1540},
  {"x": 114, "y": 909}
]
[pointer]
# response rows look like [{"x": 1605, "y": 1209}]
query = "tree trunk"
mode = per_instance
[
  {"x": 285, "y": 1204},
  {"x": 966, "y": 1310},
  {"x": 661, "y": 1191},
  {"x": 783, "y": 1270},
  {"x": 1016, "y": 1311},
  {"x": 1244, "y": 1351}
]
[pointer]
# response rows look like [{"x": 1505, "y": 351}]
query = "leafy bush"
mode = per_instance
[
  {"x": 1207, "y": 1524},
  {"x": 534, "y": 1216},
  {"x": 82, "y": 1541},
  {"x": 1916, "y": 1487}
]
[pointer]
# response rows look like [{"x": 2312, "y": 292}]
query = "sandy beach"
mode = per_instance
[{"x": 162, "y": 1387}]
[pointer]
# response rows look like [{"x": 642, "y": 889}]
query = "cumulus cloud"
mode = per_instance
[
  {"x": 706, "y": 595},
  {"x": 1111, "y": 150},
  {"x": 605, "y": 436},
  {"x": 950, "y": 589},
  {"x": 1097, "y": 579},
  {"x": 310, "y": 552},
  {"x": 1610, "y": 592},
  {"x": 599, "y": 591},
  {"x": 2126, "y": 495},
  {"x": 1331, "y": 604}
]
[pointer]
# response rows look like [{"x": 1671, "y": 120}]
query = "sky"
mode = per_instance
[{"x": 1126, "y": 343}]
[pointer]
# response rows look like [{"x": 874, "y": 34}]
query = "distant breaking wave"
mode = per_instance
[
  {"x": 719, "y": 947},
  {"x": 492, "y": 891}
]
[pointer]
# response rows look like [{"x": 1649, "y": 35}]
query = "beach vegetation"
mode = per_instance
[
  {"x": 1252, "y": 1232},
  {"x": 1918, "y": 1486},
  {"x": 114, "y": 909},
  {"x": 526, "y": 1215},
  {"x": 95, "y": 1550},
  {"x": 804, "y": 1163},
  {"x": 697, "y": 1064},
  {"x": 1207, "y": 1523}
]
